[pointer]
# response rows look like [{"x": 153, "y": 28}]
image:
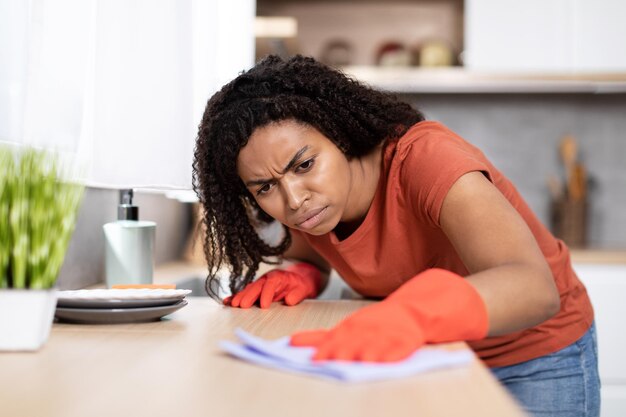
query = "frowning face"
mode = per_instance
[{"x": 298, "y": 176}]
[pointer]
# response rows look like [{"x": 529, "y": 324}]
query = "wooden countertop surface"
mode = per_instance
[
  {"x": 174, "y": 367},
  {"x": 598, "y": 256}
]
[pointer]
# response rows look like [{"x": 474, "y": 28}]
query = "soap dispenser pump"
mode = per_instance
[{"x": 129, "y": 245}]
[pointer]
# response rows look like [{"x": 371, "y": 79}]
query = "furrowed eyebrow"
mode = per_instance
[{"x": 290, "y": 165}]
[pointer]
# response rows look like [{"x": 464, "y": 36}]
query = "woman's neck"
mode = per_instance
[{"x": 365, "y": 176}]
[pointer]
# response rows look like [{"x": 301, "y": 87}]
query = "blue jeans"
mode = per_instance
[{"x": 561, "y": 384}]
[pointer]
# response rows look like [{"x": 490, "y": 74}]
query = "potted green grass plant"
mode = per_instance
[{"x": 38, "y": 208}]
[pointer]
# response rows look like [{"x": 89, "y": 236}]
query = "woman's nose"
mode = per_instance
[{"x": 295, "y": 194}]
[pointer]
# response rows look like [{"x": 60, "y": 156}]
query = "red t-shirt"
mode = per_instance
[{"x": 401, "y": 236}]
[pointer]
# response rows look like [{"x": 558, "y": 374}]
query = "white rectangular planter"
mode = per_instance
[{"x": 25, "y": 318}]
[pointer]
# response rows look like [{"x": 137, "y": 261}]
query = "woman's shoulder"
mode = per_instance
[
  {"x": 423, "y": 133},
  {"x": 423, "y": 141},
  {"x": 427, "y": 160}
]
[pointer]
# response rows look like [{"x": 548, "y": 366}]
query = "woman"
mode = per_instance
[{"x": 406, "y": 211}]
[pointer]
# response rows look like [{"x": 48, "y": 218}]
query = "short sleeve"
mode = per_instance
[{"x": 430, "y": 165}]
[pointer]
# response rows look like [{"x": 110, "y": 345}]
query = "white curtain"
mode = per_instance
[{"x": 119, "y": 85}]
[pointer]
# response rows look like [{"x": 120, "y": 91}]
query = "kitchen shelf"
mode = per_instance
[{"x": 458, "y": 80}]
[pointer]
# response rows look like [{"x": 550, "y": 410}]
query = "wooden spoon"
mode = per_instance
[
  {"x": 579, "y": 191},
  {"x": 569, "y": 153}
]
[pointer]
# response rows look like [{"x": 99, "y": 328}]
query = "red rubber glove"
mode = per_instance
[
  {"x": 292, "y": 284},
  {"x": 434, "y": 306}
]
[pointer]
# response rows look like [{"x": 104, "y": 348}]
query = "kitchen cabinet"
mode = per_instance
[
  {"x": 361, "y": 28},
  {"x": 537, "y": 46},
  {"x": 545, "y": 35},
  {"x": 606, "y": 285}
]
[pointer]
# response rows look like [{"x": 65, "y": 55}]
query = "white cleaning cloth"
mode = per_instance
[{"x": 279, "y": 354}]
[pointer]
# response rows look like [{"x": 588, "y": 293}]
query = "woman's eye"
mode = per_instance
[
  {"x": 306, "y": 165},
  {"x": 264, "y": 189}
]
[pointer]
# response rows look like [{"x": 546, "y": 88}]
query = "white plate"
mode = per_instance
[
  {"x": 122, "y": 294},
  {"x": 115, "y": 315},
  {"x": 115, "y": 303}
]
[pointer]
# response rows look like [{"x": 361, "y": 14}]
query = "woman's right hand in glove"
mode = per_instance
[{"x": 292, "y": 284}]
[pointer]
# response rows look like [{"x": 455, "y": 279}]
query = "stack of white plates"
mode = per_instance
[{"x": 108, "y": 306}]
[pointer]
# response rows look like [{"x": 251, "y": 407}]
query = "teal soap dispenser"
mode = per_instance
[{"x": 129, "y": 245}]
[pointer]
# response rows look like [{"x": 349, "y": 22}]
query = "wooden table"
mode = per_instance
[{"x": 175, "y": 368}]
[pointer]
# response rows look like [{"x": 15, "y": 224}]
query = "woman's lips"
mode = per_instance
[{"x": 313, "y": 218}]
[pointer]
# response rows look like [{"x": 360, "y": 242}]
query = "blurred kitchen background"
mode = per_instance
[{"x": 539, "y": 86}]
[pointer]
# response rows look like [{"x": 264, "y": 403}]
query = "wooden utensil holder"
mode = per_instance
[{"x": 569, "y": 221}]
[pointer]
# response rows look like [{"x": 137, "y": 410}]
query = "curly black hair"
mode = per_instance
[{"x": 355, "y": 117}]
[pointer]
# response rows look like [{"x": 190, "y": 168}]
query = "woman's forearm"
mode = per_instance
[{"x": 517, "y": 296}]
